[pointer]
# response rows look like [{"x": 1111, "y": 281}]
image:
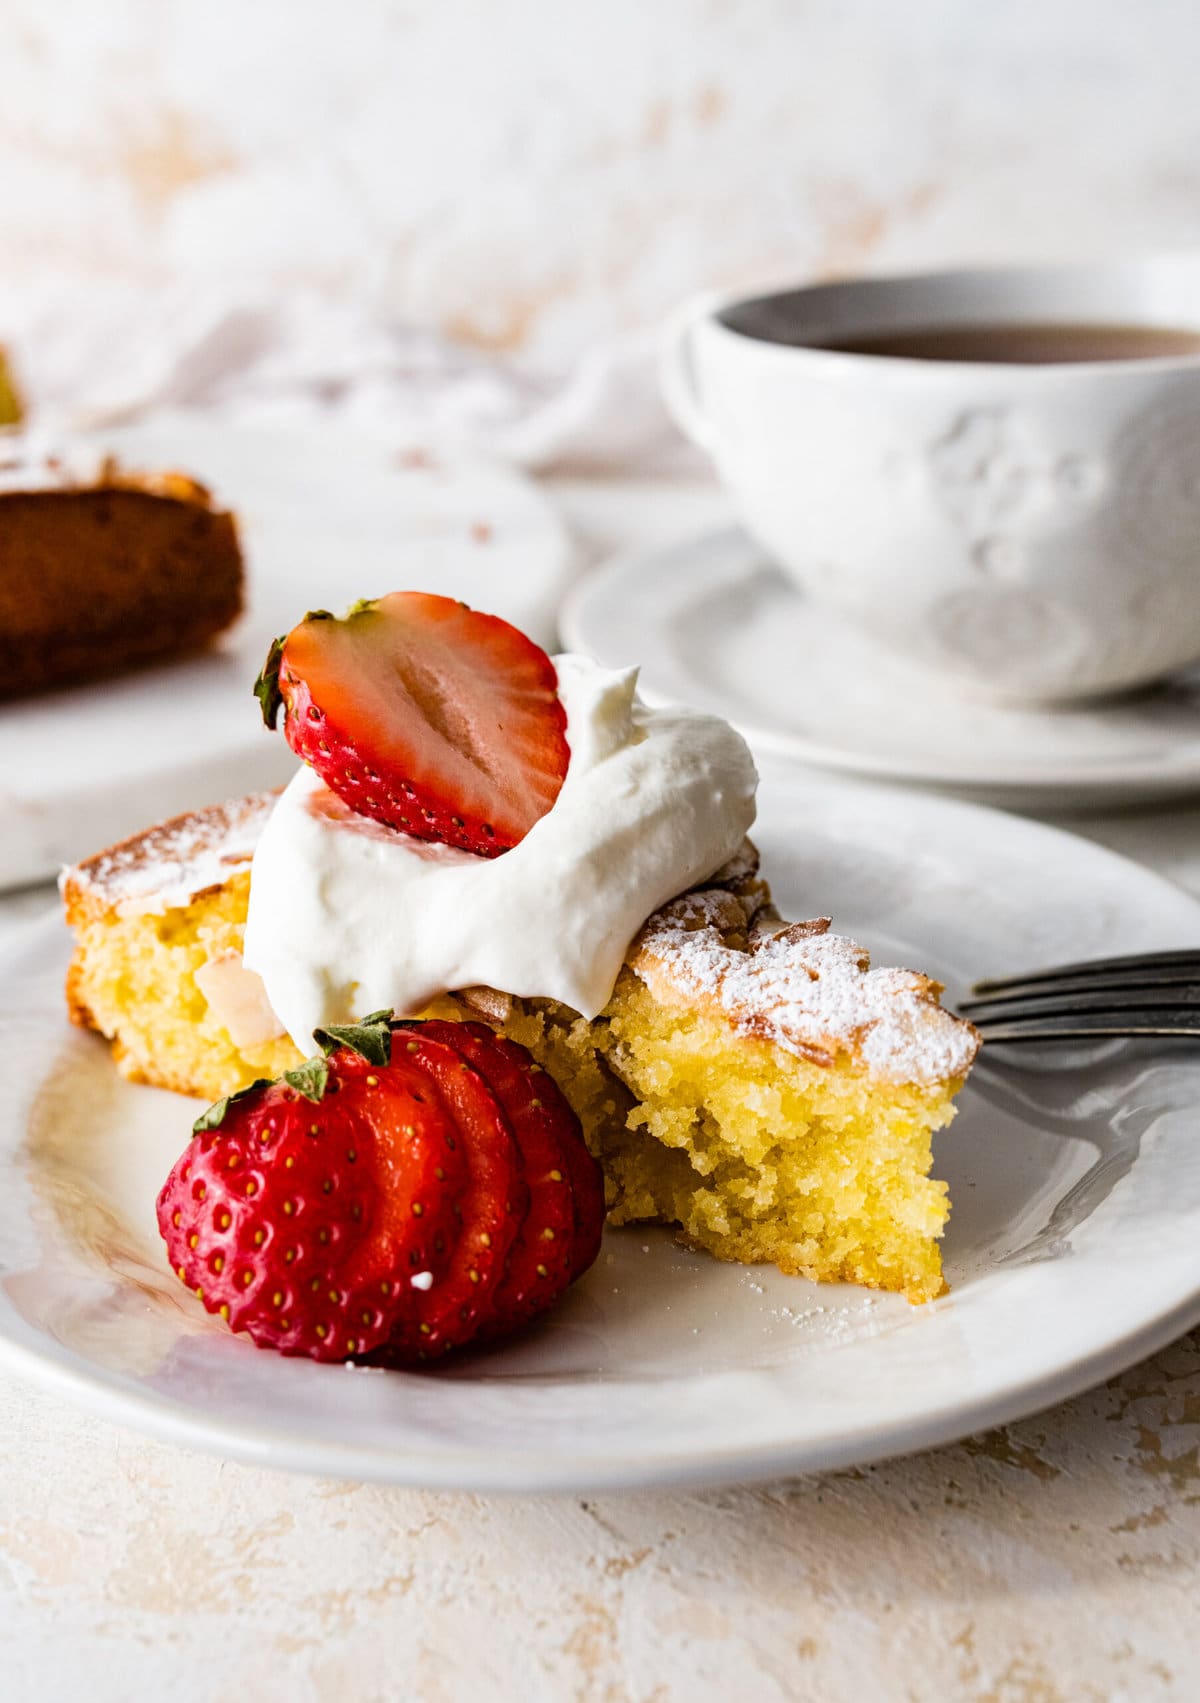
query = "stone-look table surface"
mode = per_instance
[{"x": 1057, "y": 1558}]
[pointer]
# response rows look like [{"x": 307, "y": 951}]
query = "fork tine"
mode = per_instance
[
  {"x": 1050, "y": 997},
  {"x": 1070, "y": 983},
  {"x": 1149, "y": 967},
  {"x": 1089, "y": 1025}
]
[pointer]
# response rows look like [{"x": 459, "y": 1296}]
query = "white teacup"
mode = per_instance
[{"x": 1032, "y": 530}]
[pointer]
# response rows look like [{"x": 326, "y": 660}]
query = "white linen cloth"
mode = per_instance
[{"x": 108, "y": 354}]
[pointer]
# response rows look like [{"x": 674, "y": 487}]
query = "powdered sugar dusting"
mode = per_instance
[
  {"x": 170, "y": 864},
  {"x": 802, "y": 987}
]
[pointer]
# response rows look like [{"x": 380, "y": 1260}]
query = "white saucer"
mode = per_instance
[
  {"x": 715, "y": 625},
  {"x": 324, "y": 518},
  {"x": 1071, "y": 1249}
]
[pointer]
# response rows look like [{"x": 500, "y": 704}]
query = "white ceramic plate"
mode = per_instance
[
  {"x": 1072, "y": 1248},
  {"x": 323, "y": 517},
  {"x": 715, "y": 625}
]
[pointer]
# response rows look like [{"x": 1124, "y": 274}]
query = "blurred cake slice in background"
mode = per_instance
[{"x": 103, "y": 568}]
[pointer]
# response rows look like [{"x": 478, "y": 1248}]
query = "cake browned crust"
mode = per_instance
[
  {"x": 103, "y": 570},
  {"x": 170, "y": 863},
  {"x": 723, "y": 948}
]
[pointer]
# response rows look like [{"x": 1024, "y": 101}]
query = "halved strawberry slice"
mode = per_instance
[{"x": 424, "y": 714}]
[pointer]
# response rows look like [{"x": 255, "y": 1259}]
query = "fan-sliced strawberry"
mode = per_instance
[
  {"x": 302, "y": 1221},
  {"x": 541, "y": 1263},
  {"x": 491, "y": 1210},
  {"x": 426, "y": 715},
  {"x": 586, "y": 1177},
  {"x": 372, "y": 1204}
]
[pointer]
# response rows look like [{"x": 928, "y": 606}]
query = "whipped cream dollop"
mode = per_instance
[{"x": 347, "y": 916}]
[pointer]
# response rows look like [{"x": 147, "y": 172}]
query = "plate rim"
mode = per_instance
[
  {"x": 485, "y": 1469},
  {"x": 1115, "y": 779},
  {"x": 169, "y": 1421}
]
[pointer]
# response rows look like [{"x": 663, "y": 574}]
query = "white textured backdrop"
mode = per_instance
[{"x": 532, "y": 176}]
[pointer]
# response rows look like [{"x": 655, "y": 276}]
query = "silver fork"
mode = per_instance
[{"x": 1154, "y": 993}]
